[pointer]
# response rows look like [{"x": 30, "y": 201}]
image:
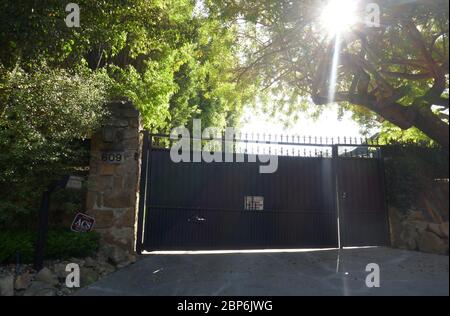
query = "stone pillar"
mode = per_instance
[{"x": 112, "y": 197}]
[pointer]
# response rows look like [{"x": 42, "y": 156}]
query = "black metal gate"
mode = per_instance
[
  {"x": 204, "y": 206},
  {"x": 362, "y": 204}
]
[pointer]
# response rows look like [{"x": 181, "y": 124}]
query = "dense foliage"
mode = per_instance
[
  {"x": 42, "y": 114},
  {"x": 173, "y": 62},
  {"x": 61, "y": 244},
  {"x": 411, "y": 174}
]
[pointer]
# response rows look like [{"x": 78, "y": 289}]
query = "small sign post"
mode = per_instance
[
  {"x": 67, "y": 182},
  {"x": 82, "y": 223}
]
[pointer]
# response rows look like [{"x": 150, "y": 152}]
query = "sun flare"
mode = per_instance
[{"x": 338, "y": 16}]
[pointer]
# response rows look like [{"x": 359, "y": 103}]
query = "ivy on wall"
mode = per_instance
[{"x": 411, "y": 171}]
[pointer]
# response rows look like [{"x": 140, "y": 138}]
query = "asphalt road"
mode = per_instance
[{"x": 327, "y": 272}]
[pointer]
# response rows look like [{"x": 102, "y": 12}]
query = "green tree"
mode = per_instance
[
  {"x": 395, "y": 74},
  {"x": 172, "y": 63}
]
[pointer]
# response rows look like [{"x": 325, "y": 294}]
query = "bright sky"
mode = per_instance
[
  {"x": 328, "y": 125},
  {"x": 337, "y": 17}
]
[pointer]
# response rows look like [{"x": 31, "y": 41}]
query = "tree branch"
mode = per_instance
[{"x": 407, "y": 76}]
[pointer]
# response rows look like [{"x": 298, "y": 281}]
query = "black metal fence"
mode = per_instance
[{"x": 284, "y": 145}]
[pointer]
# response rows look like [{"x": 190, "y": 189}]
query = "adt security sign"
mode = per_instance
[{"x": 82, "y": 223}]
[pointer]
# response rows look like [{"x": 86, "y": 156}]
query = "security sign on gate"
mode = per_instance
[
  {"x": 82, "y": 223},
  {"x": 254, "y": 203}
]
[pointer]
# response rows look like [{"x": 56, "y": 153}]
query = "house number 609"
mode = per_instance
[{"x": 112, "y": 157}]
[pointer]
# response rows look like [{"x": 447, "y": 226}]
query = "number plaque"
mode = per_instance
[{"x": 113, "y": 157}]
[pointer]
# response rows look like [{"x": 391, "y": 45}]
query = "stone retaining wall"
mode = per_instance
[{"x": 414, "y": 232}]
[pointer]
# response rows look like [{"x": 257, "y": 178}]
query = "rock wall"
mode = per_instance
[
  {"x": 414, "y": 232},
  {"x": 112, "y": 197},
  {"x": 417, "y": 188}
]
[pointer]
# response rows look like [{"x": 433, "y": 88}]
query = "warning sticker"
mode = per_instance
[{"x": 254, "y": 203}]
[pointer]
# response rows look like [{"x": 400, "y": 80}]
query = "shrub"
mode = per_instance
[
  {"x": 61, "y": 244},
  {"x": 44, "y": 113},
  {"x": 411, "y": 171},
  {"x": 66, "y": 244},
  {"x": 14, "y": 242}
]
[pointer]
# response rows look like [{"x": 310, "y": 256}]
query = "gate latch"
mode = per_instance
[{"x": 197, "y": 219}]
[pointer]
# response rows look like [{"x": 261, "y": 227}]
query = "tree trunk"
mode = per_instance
[
  {"x": 404, "y": 117},
  {"x": 432, "y": 126}
]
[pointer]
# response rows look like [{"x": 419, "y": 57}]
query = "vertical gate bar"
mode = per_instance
[
  {"x": 142, "y": 193},
  {"x": 224, "y": 147},
  {"x": 148, "y": 188},
  {"x": 335, "y": 193},
  {"x": 384, "y": 193}
]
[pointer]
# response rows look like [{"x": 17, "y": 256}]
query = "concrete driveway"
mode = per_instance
[{"x": 327, "y": 272}]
